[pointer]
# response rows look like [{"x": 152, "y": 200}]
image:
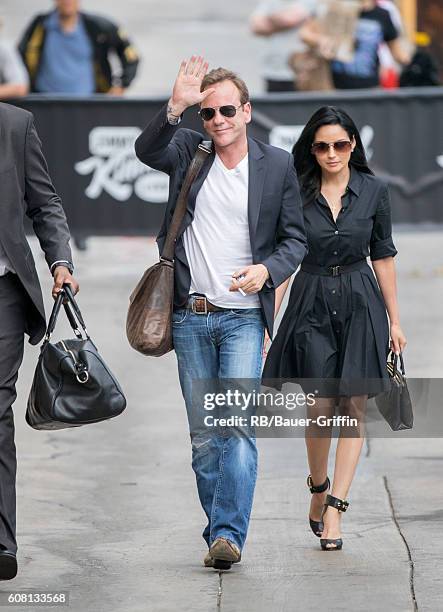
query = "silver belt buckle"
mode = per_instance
[{"x": 193, "y": 306}]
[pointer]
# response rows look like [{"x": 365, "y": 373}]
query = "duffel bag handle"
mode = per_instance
[
  {"x": 66, "y": 297},
  {"x": 75, "y": 310},
  {"x": 54, "y": 315}
]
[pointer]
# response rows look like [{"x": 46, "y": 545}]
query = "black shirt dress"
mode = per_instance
[{"x": 335, "y": 327}]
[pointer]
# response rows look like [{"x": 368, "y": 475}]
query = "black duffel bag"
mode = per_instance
[{"x": 72, "y": 384}]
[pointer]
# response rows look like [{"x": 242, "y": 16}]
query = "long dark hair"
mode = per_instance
[{"x": 308, "y": 170}]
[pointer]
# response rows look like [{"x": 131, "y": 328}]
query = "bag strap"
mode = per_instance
[
  {"x": 54, "y": 315},
  {"x": 66, "y": 297},
  {"x": 74, "y": 309},
  {"x": 402, "y": 364},
  {"x": 394, "y": 361},
  {"x": 204, "y": 149}
]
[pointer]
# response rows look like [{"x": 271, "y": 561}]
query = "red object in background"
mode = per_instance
[{"x": 389, "y": 78}]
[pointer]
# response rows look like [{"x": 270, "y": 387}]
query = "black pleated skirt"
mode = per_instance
[{"x": 334, "y": 330}]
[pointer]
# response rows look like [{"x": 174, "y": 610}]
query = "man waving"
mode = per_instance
[{"x": 242, "y": 236}]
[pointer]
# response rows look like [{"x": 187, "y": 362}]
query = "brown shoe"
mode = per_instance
[
  {"x": 208, "y": 561},
  {"x": 224, "y": 553}
]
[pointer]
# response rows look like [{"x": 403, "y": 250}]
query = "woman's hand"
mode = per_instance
[{"x": 398, "y": 339}]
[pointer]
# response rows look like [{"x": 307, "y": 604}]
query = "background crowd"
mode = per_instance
[{"x": 307, "y": 45}]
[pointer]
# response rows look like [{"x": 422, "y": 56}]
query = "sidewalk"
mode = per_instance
[{"x": 110, "y": 514}]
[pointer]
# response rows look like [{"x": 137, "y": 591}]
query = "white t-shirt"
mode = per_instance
[{"x": 217, "y": 242}]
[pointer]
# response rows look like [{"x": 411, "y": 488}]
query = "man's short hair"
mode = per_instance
[{"x": 217, "y": 75}]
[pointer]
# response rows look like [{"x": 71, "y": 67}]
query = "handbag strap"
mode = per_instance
[
  {"x": 394, "y": 361},
  {"x": 204, "y": 149},
  {"x": 66, "y": 297}
]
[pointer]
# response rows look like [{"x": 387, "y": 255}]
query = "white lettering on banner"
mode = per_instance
[
  {"x": 285, "y": 137},
  {"x": 116, "y": 170}
]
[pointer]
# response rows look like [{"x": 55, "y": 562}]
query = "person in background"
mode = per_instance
[
  {"x": 67, "y": 51},
  {"x": 374, "y": 27},
  {"x": 389, "y": 72},
  {"x": 279, "y": 21},
  {"x": 423, "y": 69},
  {"x": 13, "y": 76}
]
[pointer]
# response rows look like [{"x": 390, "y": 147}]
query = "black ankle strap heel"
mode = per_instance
[
  {"x": 317, "y": 526},
  {"x": 341, "y": 505}
]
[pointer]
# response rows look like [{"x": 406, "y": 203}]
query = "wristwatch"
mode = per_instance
[{"x": 62, "y": 262}]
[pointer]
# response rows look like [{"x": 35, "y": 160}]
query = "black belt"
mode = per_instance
[{"x": 333, "y": 270}]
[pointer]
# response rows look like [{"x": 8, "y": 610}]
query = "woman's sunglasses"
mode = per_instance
[
  {"x": 229, "y": 110},
  {"x": 340, "y": 146}
]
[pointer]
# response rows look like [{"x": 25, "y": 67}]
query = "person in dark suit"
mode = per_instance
[
  {"x": 241, "y": 237},
  {"x": 25, "y": 188}
]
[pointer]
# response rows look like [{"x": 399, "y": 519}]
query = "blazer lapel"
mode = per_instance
[{"x": 256, "y": 182}]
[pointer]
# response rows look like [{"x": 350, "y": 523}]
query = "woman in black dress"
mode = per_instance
[{"x": 335, "y": 328}]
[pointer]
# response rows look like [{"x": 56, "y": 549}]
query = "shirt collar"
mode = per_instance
[
  {"x": 53, "y": 21},
  {"x": 354, "y": 186},
  {"x": 355, "y": 181}
]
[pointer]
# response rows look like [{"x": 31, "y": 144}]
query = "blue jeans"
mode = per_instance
[{"x": 212, "y": 347}]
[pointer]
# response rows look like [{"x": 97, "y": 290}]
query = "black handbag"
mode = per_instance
[
  {"x": 395, "y": 405},
  {"x": 72, "y": 384}
]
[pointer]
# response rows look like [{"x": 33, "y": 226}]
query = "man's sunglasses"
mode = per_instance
[
  {"x": 208, "y": 113},
  {"x": 340, "y": 146}
]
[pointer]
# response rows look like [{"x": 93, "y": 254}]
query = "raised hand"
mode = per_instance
[{"x": 186, "y": 91}]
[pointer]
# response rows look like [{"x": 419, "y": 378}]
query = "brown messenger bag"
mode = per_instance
[{"x": 149, "y": 318}]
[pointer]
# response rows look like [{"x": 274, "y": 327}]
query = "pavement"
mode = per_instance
[{"x": 109, "y": 512}]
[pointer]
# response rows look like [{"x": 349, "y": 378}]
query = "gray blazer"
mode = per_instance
[{"x": 26, "y": 188}]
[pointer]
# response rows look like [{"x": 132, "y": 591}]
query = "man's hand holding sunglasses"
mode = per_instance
[{"x": 186, "y": 91}]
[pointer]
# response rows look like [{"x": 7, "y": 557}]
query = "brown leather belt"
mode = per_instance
[{"x": 199, "y": 304}]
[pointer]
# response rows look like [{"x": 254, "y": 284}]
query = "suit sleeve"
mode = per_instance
[
  {"x": 163, "y": 146},
  {"x": 43, "y": 205},
  {"x": 291, "y": 243}
]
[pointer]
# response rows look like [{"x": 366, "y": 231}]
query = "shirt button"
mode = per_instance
[
  {"x": 335, "y": 253},
  {"x": 333, "y": 291},
  {"x": 336, "y": 232},
  {"x": 334, "y": 312}
]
